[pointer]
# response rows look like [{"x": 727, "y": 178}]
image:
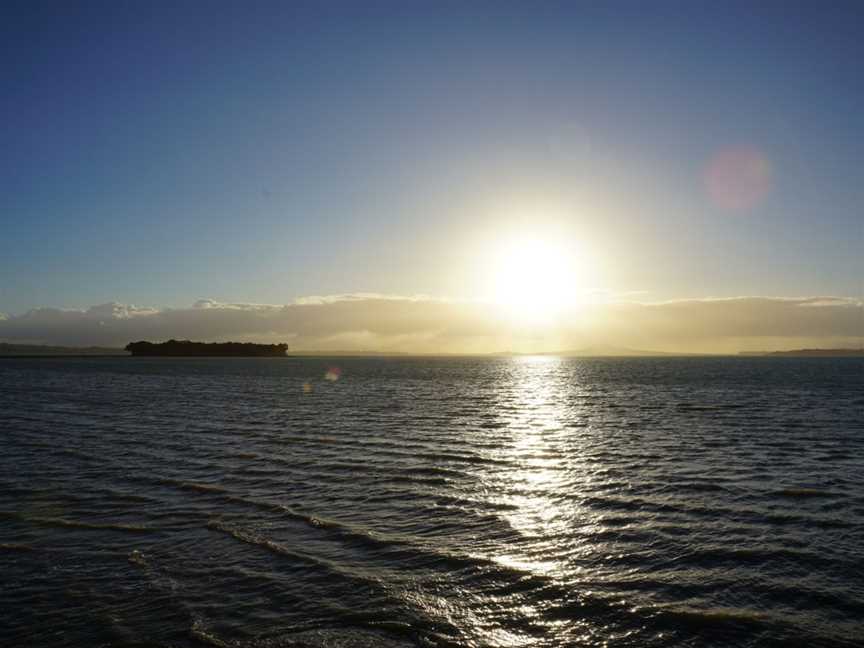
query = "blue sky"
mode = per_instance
[{"x": 159, "y": 153}]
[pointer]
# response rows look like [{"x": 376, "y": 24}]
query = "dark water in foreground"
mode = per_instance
[{"x": 432, "y": 502}]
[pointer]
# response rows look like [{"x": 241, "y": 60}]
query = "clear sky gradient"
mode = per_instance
[{"x": 158, "y": 153}]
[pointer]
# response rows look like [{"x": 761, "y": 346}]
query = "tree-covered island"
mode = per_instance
[{"x": 204, "y": 349}]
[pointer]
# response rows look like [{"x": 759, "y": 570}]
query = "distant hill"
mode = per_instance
[
  {"x": 7, "y": 349},
  {"x": 606, "y": 351},
  {"x": 809, "y": 353}
]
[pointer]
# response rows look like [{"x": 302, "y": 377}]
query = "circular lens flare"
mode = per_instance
[{"x": 738, "y": 179}]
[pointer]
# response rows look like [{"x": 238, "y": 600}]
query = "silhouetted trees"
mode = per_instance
[{"x": 188, "y": 348}]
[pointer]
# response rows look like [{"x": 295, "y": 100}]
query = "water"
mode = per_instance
[{"x": 432, "y": 502}]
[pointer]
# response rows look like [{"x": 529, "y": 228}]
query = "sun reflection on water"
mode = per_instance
[{"x": 536, "y": 448}]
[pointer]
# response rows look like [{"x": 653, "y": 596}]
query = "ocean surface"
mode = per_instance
[{"x": 481, "y": 502}]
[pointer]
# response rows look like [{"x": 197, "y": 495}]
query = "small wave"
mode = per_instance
[
  {"x": 205, "y": 488},
  {"x": 254, "y": 539},
  {"x": 452, "y": 501},
  {"x": 702, "y": 487},
  {"x": 199, "y": 487},
  {"x": 128, "y": 497},
  {"x": 416, "y": 480},
  {"x": 307, "y": 639},
  {"x": 320, "y": 563},
  {"x": 716, "y": 617},
  {"x": 345, "y": 532},
  {"x": 200, "y": 633},
  {"x": 754, "y": 556},
  {"x": 431, "y": 471},
  {"x": 396, "y": 548},
  {"x": 16, "y": 546},
  {"x": 582, "y": 606},
  {"x": 464, "y": 458},
  {"x": 804, "y": 493},
  {"x": 78, "y": 524}
]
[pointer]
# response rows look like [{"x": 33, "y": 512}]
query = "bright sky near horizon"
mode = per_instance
[{"x": 160, "y": 153}]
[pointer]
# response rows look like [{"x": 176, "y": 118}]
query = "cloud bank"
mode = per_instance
[{"x": 426, "y": 325}]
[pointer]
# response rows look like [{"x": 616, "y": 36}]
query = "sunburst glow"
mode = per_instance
[{"x": 535, "y": 278}]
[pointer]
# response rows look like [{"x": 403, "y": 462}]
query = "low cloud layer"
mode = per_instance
[{"x": 426, "y": 325}]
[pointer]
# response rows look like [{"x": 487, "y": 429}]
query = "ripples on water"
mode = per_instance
[{"x": 432, "y": 502}]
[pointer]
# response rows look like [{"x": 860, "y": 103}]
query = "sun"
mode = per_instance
[{"x": 536, "y": 279}]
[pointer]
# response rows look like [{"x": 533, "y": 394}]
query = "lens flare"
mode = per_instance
[{"x": 738, "y": 179}]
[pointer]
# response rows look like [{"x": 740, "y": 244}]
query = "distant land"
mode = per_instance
[
  {"x": 606, "y": 351},
  {"x": 808, "y": 353},
  {"x": 589, "y": 352},
  {"x": 8, "y": 350},
  {"x": 186, "y": 348},
  {"x": 19, "y": 350}
]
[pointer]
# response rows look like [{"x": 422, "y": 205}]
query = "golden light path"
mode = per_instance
[
  {"x": 536, "y": 392},
  {"x": 536, "y": 429}
]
